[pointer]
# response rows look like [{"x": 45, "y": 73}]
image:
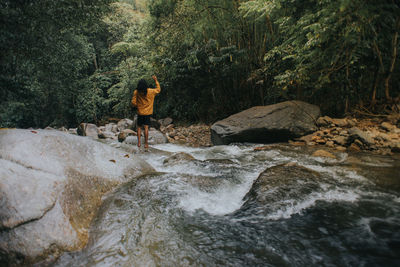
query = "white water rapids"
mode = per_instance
[{"x": 195, "y": 212}]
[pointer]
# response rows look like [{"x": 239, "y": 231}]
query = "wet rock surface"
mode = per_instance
[
  {"x": 177, "y": 158},
  {"x": 88, "y": 129},
  {"x": 51, "y": 186},
  {"x": 282, "y": 182}
]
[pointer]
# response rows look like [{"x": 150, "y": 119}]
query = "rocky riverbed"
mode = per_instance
[
  {"x": 374, "y": 135},
  {"x": 54, "y": 178},
  {"x": 379, "y": 136}
]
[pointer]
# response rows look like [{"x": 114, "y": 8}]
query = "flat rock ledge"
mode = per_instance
[{"x": 51, "y": 186}]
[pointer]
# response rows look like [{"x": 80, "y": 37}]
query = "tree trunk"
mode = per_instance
[
  {"x": 375, "y": 86},
  {"x": 95, "y": 62},
  {"x": 393, "y": 59}
]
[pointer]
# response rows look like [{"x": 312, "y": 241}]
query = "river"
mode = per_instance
[{"x": 194, "y": 212}]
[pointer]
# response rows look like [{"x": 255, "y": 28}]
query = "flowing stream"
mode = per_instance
[{"x": 193, "y": 212}]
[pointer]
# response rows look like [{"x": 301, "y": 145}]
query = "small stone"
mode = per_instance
[
  {"x": 177, "y": 158},
  {"x": 315, "y": 138},
  {"x": 385, "y": 152},
  {"x": 354, "y": 147},
  {"x": 330, "y": 144},
  {"x": 306, "y": 138},
  {"x": 388, "y": 126},
  {"x": 323, "y": 154},
  {"x": 88, "y": 129},
  {"x": 261, "y": 148},
  {"x": 341, "y": 122},
  {"x": 73, "y": 131},
  {"x": 383, "y": 136},
  {"x": 129, "y": 132},
  {"x": 101, "y": 135},
  {"x": 359, "y": 143},
  {"x": 111, "y": 127},
  {"x": 297, "y": 143},
  {"x": 340, "y": 140},
  {"x": 340, "y": 148},
  {"x": 365, "y": 137},
  {"x": 121, "y": 137},
  {"x": 165, "y": 122},
  {"x": 324, "y": 121},
  {"x": 396, "y": 149},
  {"x": 125, "y": 124}
]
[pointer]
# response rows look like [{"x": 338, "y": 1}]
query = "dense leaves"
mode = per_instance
[
  {"x": 337, "y": 54},
  {"x": 64, "y": 62},
  {"x": 46, "y": 58}
]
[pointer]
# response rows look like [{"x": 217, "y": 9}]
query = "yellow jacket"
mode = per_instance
[{"x": 144, "y": 104}]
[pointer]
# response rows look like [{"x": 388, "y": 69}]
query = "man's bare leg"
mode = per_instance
[
  {"x": 139, "y": 133},
  {"x": 146, "y": 136}
]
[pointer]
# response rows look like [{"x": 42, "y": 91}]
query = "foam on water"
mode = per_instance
[
  {"x": 224, "y": 200},
  {"x": 229, "y": 197},
  {"x": 291, "y": 207},
  {"x": 336, "y": 172},
  {"x": 177, "y": 148},
  {"x": 217, "y": 152}
]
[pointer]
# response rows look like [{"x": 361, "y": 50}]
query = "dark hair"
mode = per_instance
[{"x": 142, "y": 87}]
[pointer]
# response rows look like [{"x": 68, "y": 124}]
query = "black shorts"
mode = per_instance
[{"x": 143, "y": 120}]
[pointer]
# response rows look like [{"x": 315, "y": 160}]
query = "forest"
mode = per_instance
[{"x": 64, "y": 62}]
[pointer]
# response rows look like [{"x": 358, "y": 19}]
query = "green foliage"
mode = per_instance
[
  {"x": 135, "y": 64},
  {"x": 45, "y": 58},
  {"x": 206, "y": 58},
  {"x": 339, "y": 53},
  {"x": 64, "y": 62},
  {"x": 324, "y": 50}
]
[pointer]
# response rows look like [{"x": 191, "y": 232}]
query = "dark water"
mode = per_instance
[{"x": 193, "y": 214}]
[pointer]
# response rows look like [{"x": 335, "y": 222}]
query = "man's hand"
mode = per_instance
[{"x": 154, "y": 77}]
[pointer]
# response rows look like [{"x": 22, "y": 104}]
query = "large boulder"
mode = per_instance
[
  {"x": 111, "y": 127},
  {"x": 165, "y": 122},
  {"x": 355, "y": 133},
  {"x": 177, "y": 158},
  {"x": 267, "y": 124},
  {"x": 51, "y": 185},
  {"x": 88, "y": 129},
  {"x": 125, "y": 124},
  {"x": 155, "y": 137},
  {"x": 283, "y": 182},
  {"x": 282, "y": 190}
]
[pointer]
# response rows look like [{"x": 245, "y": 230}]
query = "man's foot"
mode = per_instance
[{"x": 146, "y": 146}]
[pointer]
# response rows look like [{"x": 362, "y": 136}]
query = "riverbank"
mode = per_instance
[
  {"x": 376, "y": 135},
  {"x": 196, "y": 135}
]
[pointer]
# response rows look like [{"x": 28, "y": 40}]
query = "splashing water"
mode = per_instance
[{"x": 198, "y": 212}]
